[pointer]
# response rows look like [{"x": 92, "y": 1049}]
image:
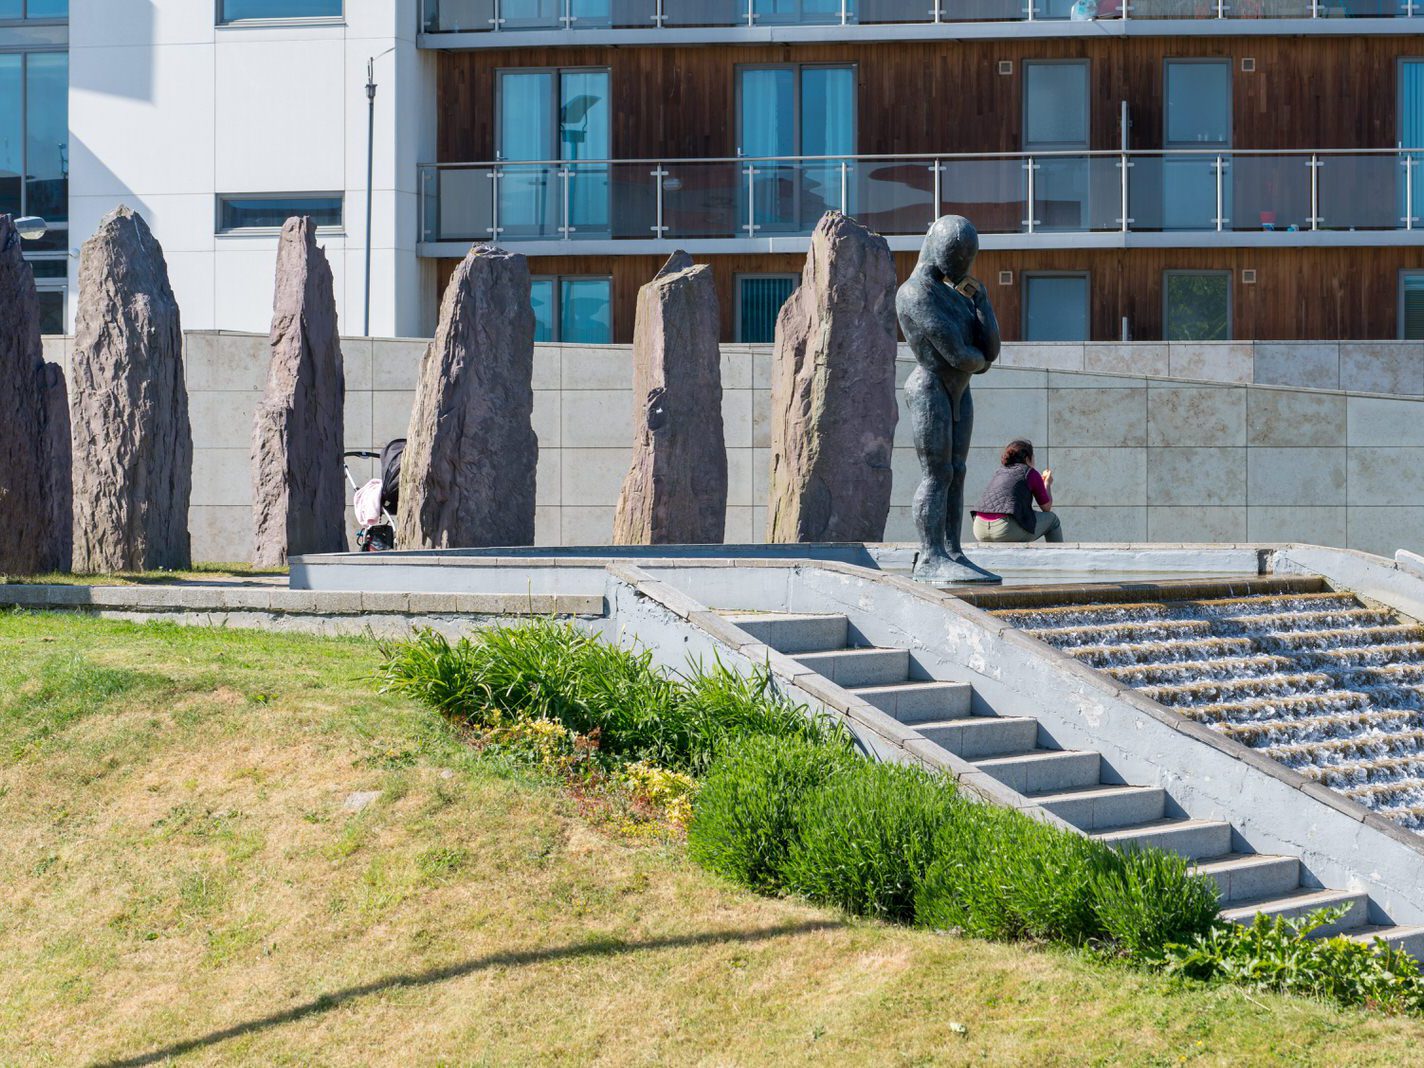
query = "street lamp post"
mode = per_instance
[{"x": 370, "y": 174}]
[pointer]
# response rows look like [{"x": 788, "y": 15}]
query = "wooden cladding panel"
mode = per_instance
[
  {"x": 1299, "y": 294},
  {"x": 948, "y": 96}
]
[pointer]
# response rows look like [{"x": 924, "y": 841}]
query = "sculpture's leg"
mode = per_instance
[
  {"x": 957, "y": 567},
  {"x": 928, "y": 402},
  {"x": 954, "y": 505}
]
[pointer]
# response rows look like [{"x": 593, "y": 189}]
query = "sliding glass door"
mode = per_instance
[{"x": 557, "y": 120}]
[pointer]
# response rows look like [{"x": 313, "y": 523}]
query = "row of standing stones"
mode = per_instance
[{"x": 99, "y": 478}]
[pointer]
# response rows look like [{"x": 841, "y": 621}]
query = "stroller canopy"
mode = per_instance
[{"x": 390, "y": 474}]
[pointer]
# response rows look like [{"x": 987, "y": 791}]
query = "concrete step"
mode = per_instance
[
  {"x": 1295, "y": 905},
  {"x": 1192, "y": 839},
  {"x": 1409, "y": 939},
  {"x": 1251, "y": 876},
  {"x": 973, "y": 737},
  {"x": 859, "y": 667},
  {"x": 793, "y": 633},
  {"x": 1043, "y": 770},
  {"x": 1098, "y": 808},
  {"x": 919, "y": 702}
]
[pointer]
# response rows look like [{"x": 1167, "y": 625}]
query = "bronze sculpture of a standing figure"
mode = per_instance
[{"x": 947, "y": 320}]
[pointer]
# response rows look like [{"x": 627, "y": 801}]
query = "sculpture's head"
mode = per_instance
[{"x": 950, "y": 246}]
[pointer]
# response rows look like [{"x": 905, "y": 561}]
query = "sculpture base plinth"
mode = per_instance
[{"x": 956, "y": 570}]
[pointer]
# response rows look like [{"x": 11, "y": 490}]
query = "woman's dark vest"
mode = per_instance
[{"x": 1008, "y": 494}]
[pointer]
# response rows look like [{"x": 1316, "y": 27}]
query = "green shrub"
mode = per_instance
[
  {"x": 1279, "y": 955},
  {"x": 863, "y": 840},
  {"x": 998, "y": 874},
  {"x": 744, "y": 817},
  {"x": 544, "y": 670},
  {"x": 1151, "y": 899}
]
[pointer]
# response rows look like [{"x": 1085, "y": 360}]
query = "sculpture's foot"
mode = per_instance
[{"x": 955, "y": 569}]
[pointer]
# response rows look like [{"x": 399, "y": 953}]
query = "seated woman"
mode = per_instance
[{"x": 1005, "y": 512}]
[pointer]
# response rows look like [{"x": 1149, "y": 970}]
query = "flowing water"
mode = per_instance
[{"x": 1327, "y": 685}]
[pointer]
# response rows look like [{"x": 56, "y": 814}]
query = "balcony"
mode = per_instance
[
  {"x": 507, "y": 23},
  {"x": 1171, "y": 198}
]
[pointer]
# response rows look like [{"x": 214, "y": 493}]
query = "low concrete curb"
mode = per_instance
[{"x": 332, "y": 612}]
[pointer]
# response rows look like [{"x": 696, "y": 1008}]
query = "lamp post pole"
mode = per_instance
[{"x": 370, "y": 179}]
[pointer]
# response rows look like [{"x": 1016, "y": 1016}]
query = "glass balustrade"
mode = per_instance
[
  {"x": 486, "y": 16},
  {"x": 1165, "y": 192}
]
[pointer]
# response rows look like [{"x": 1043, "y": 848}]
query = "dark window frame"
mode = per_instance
[
  {"x": 1056, "y": 146},
  {"x": 222, "y": 198},
  {"x": 1025, "y": 277},
  {"x": 1404, "y": 275},
  {"x": 220, "y": 17},
  {"x": 737, "y": 279},
  {"x": 556, "y": 309},
  {"x": 1230, "y": 277},
  {"x": 554, "y": 97}
]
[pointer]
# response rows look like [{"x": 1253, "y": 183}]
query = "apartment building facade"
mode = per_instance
[{"x": 1157, "y": 169}]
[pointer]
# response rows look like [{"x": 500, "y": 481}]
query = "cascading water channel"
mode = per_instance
[{"x": 1323, "y": 683}]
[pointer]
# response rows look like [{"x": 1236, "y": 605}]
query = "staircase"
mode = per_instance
[{"x": 1076, "y": 786}]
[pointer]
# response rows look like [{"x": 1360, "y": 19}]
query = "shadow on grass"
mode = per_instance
[{"x": 593, "y": 948}]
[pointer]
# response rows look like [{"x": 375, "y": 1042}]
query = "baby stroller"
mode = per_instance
[{"x": 375, "y": 503}]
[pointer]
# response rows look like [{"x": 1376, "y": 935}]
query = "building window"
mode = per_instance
[
  {"x": 1055, "y": 307},
  {"x": 1196, "y": 305},
  {"x": 52, "y": 320},
  {"x": 34, "y": 157},
  {"x": 250, "y": 10},
  {"x": 1056, "y": 120},
  {"x": 1197, "y": 116},
  {"x": 270, "y": 211},
  {"x": 14, "y": 10},
  {"x": 546, "y": 116},
  {"x": 795, "y": 111},
  {"x": 572, "y": 310},
  {"x": 759, "y": 301},
  {"x": 1411, "y": 307}
]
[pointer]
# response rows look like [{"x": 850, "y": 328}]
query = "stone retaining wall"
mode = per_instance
[{"x": 1214, "y": 453}]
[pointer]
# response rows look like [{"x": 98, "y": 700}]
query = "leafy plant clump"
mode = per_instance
[
  {"x": 1280, "y": 955},
  {"x": 902, "y": 844},
  {"x": 545, "y": 670}
]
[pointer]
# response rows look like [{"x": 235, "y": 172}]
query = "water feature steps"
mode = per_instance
[
  {"x": 1314, "y": 679},
  {"x": 1073, "y": 785}
]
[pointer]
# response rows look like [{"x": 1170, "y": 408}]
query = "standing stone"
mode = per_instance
[
  {"x": 467, "y": 476},
  {"x": 30, "y": 544},
  {"x": 833, "y": 409},
  {"x": 676, "y": 488},
  {"x": 133, "y": 448},
  {"x": 298, "y": 488}
]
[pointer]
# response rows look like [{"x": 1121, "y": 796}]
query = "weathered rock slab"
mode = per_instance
[
  {"x": 833, "y": 410},
  {"x": 298, "y": 488},
  {"x": 30, "y": 545},
  {"x": 676, "y": 488},
  {"x": 467, "y": 476},
  {"x": 133, "y": 446}
]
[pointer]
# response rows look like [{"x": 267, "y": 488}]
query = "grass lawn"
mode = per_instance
[
  {"x": 181, "y": 877},
  {"x": 226, "y": 574}
]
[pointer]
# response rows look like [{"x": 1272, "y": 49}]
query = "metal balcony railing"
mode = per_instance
[
  {"x": 494, "y": 16},
  {"x": 1159, "y": 191}
]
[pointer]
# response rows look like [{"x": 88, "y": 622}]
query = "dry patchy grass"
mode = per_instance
[{"x": 181, "y": 878}]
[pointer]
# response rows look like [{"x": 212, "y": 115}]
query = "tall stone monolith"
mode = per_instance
[
  {"x": 30, "y": 544},
  {"x": 467, "y": 476},
  {"x": 298, "y": 488},
  {"x": 676, "y": 488},
  {"x": 833, "y": 410},
  {"x": 133, "y": 447}
]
